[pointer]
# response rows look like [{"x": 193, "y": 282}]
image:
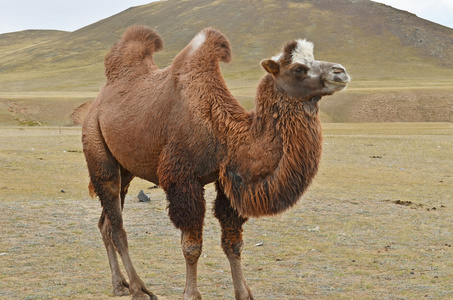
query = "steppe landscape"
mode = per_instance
[{"x": 375, "y": 224}]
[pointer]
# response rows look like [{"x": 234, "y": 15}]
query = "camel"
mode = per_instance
[{"x": 181, "y": 128}]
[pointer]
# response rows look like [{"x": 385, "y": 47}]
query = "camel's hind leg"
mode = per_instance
[
  {"x": 119, "y": 283},
  {"x": 231, "y": 224},
  {"x": 110, "y": 183}
]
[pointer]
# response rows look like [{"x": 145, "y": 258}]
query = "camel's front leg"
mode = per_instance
[
  {"x": 191, "y": 242},
  {"x": 231, "y": 224},
  {"x": 186, "y": 209}
]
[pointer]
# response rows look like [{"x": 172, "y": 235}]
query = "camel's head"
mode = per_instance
[{"x": 299, "y": 75}]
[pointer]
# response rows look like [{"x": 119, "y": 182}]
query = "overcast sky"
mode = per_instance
[{"x": 70, "y": 15}]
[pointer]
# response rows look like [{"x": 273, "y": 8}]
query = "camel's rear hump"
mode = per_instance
[
  {"x": 214, "y": 44},
  {"x": 133, "y": 54},
  {"x": 206, "y": 49}
]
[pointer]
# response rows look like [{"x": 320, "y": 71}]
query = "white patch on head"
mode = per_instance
[
  {"x": 302, "y": 54},
  {"x": 277, "y": 57},
  {"x": 197, "y": 41},
  {"x": 303, "y": 51}
]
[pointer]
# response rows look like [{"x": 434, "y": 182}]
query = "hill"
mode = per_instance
[{"x": 388, "y": 52}]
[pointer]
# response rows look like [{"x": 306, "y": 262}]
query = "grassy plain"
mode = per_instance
[
  {"x": 376, "y": 223},
  {"x": 410, "y": 100}
]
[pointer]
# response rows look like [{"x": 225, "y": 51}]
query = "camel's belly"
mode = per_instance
[{"x": 135, "y": 151}]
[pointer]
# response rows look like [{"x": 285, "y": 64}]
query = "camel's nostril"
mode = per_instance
[{"x": 338, "y": 70}]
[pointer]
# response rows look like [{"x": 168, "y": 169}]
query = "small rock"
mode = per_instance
[
  {"x": 259, "y": 244},
  {"x": 314, "y": 229},
  {"x": 63, "y": 191},
  {"x": 142, "y": 197}
]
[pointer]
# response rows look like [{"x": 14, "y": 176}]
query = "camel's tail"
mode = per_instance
[
  {"x": 91, "y": 190},
  {"x": 133, "y": 54}
]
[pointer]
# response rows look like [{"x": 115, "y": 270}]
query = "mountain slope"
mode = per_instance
[{"x": 379, "y": 45}]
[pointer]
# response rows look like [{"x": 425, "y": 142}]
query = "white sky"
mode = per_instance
[
  {"x": 70, "y": 15},
  {"x": 438, "y": 11}
]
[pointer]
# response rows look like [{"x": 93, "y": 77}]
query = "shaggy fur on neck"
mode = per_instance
[{"x": 301, "y": 143}]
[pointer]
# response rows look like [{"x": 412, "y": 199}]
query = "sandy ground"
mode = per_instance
[{"x": 376, "y": 223}]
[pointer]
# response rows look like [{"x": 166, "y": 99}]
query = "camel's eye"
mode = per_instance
[{"x": 299, "y": 70}]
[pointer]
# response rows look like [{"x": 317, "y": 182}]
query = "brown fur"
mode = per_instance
[{"x": 180, "y": 127}]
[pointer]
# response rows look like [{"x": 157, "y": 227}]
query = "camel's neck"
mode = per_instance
[{"x": 271, "y": 168}]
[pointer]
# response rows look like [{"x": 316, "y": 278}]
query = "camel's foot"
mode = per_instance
[
  {"x": 245, "y": 297},
  {"x": 192, "y": 296},
  {"x": 120, "y": 287},
  {"x": 143, "y": 294},
  {"x": 121, "y": 291},
  {"x": 245, "y": 294}
]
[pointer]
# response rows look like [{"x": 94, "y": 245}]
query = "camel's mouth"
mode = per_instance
[
  {"x": 315, "y": 99},
  {"x": 338, "y": 83}
]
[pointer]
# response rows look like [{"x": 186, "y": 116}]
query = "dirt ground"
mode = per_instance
[{"x": 375, "y": 224}]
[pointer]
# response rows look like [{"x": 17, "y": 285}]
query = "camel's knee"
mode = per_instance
[
  {"x": 192, "y": 246},
  {"x": 232, "y": 249},
  {"x": 112, "y": 233},
  {"x": 105, "y": 228},
  {"x": 118, "y": 237},
  {"x": 192, "y": 253},
  {"x": 101, "y": 223}
]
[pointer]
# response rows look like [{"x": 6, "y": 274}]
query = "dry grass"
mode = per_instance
[{"x": 376, "y": 224}]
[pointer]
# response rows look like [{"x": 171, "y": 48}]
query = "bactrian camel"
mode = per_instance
[{"x": 181, "y": 128}]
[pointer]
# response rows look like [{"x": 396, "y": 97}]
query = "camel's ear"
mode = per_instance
[
  {"x": 288, "y": 51},
  {"x": 270, "y": 66}
]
